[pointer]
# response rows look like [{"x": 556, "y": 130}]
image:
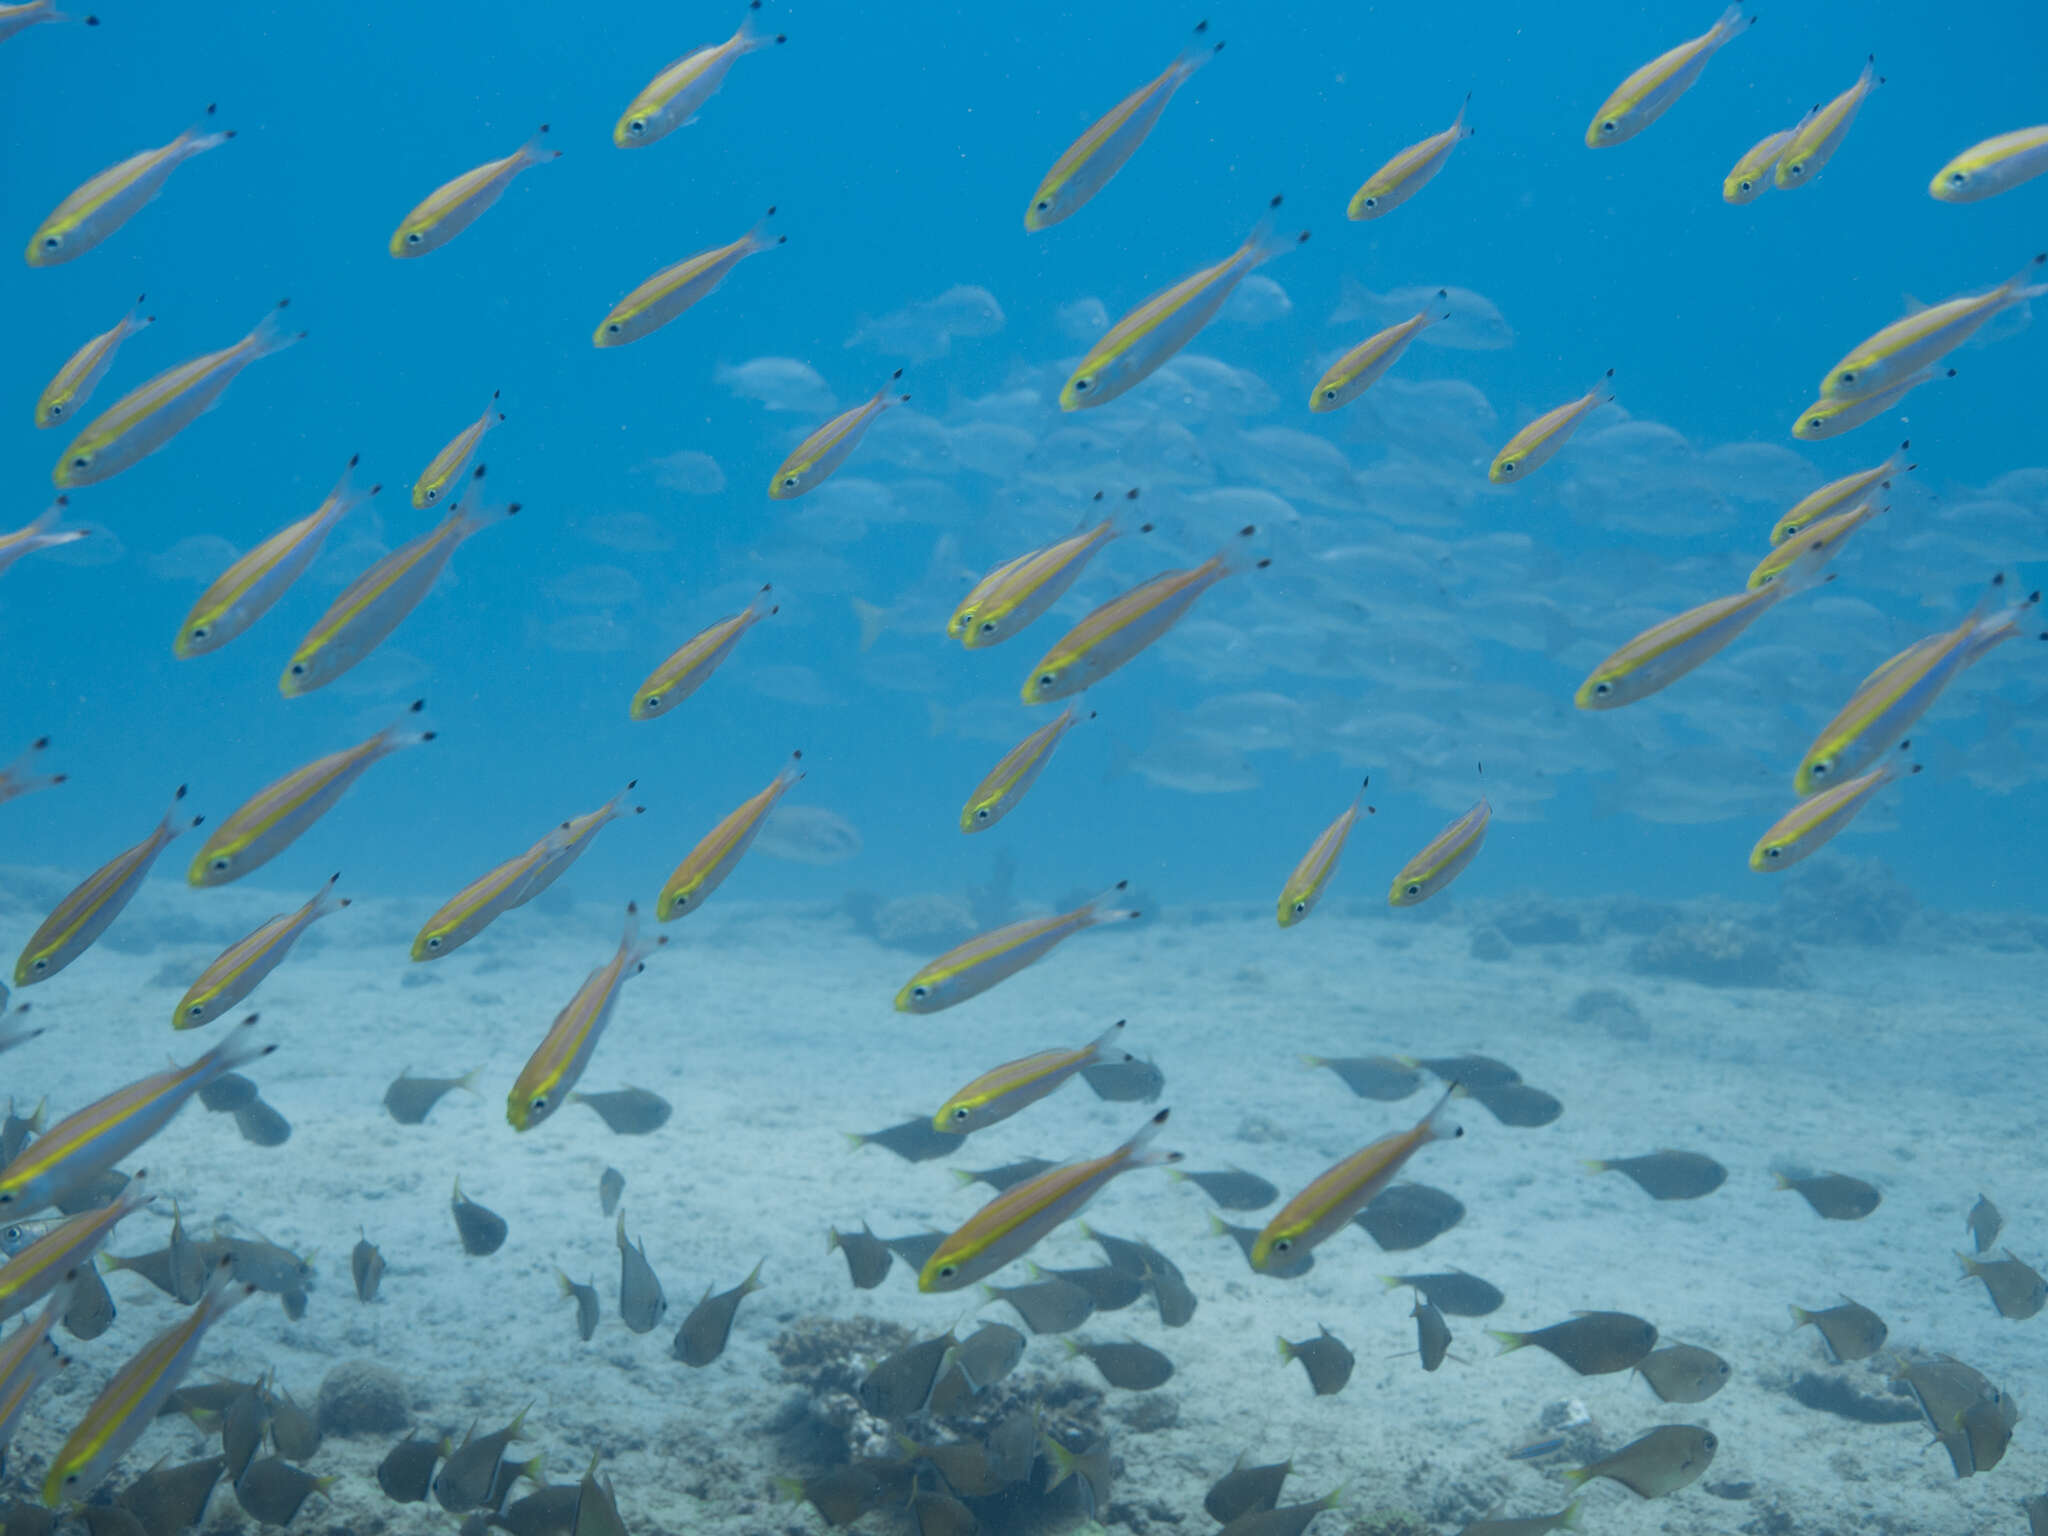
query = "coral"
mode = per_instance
[
  {"x": 361, "y": 1397},
  {"x": 1491, "y": 944},
  {"x": 1535, "y": 919},
  {"x": 1841, "y": 900},
  {"x": 1613, "y": 1011},
  {"x": 1719, "y": 953}
]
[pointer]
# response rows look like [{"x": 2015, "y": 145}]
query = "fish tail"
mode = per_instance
[
  {"x": 1333, "y": 1498},
  {"x": 1134, "y": 1153},
  {"x": 468, "y": 1080},
  {"x": 1096, "y": 909},
  {"x": 1286, "y": 1349},
  {"x": 1200, "y": 50},
  {"x": 1970, "y": 1265},
  {"x": 1458, "y": 123},
  {"x": 201, "y": 137},
  {"x": 855, "y": 1140},
  {"x": 1594, "y": 1164},
  {"x": 1730, "y": 24},
  {"x": 792, "y": 771},
  {"x": 1781, "y": 1182},
  {"x": 754, "y": 1282},
  {"x": 1064, "y": 1462},
  {"x": 790, "y": 1489},
  {"x": 1509, "y": 1342},
  {"x": 401, "y": 733},
  {"x": 535, "y": 150},
  {"x": 1579, "y": 1476},
  {"x": 1568, "y": 1520},
  {"x": 270, "y": 335},
  {"x": 1099, "y": 1046},
  {"x": 1217, "y": 1227},
  {"x": 2021, "y": 284},
  {"x": 759, "y": 237},
  {"x": 873, "y": 620},
  {"x": 1801, "y": 1317},
  {"x": 963, "y": 1175},
  {"x": 762, "y": 603},
  {"x": 1267, "y": 239},
  {"x": 1438, "y": 1124},
  {"x": 237, "y": 1050},
  {"x": 750, "y": 37},
  {"x": 833, "y": 1241},
  {"x": 324, "y": 901}
]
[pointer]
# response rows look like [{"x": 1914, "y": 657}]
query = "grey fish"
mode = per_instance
[
  {"x": 226, "y": 1094},
  {"x": 610, "y": 1185},
  {"x": 867, "y": 1257},
  {"x": 482, "y": 1230},
  {"x": 1667, "y": 1175},
  {"x": 547, "y": 1511},
  {"x": 2036, "y": 1511},
  {"x": 913, "y": 1140},
  {"x": 1245, "y": 1490},
  {"x": 1130, "y": 1081},
  {"x": 504, "y": 1478},
  {"x": 642, "y": 1303},
  {"x": 16, "y": 1130},
  {"x": 1984, "y": 1224},
  {"x": 2015, "y": 1287},
  {"x": 586, "y": 1304},
  {"x": 294, "y": 1304},
  {"x": 628, "y": 1111},
  {"x": 409, "y": 1099},
  {"x": 366, "y": 1265},
  {"x": 1663, "y": 1461},
  {"x": 704, "y": 1333},
  {"x": 465, "y": 1479},
  {"x": 1133, "y": 1367},
  {"x": 1326, "y": 1360},
  {"x": 1384, "y": 1078},
  {"x": 93, "y": 1194},
  {"x": 273, "y": 1490},
  {"x": 1944, "y": 1387},
  {"x": 294, "y": 1432},
  {"x": 940, "y": 1514},
  {"x": 110, "y": 1520},
  {"x": 91, "y": 1312},
  {"x": 1094, "y": 1469},
  {"x": 243, "y": 1426},
  {"x": 176, "y": 1269},
  {"x": 597, "y": 1508},
  {"x": 1013, "y": 1445},
  {"x": 1110, "y": 1288},
  {"x": 407, "y": 1470},
  {"x": 1245, "y": 1237},
  {"x": 1000, "y": 1179},
  {"x": 902, "y": 1384},
  {"x": 1170, "y": 1289},
  {"x": 168, "y": 1500},
  {"x": 1518, "y": 1104},
  {"x": 1291, "y": 1521},
  {"x": 964, "y": 1464},
  {"x": 1120, "y": 1252},
  {"x": 1232, "y": 1188},
  {"x": 265, "y": 1265},
  {"x": 1684, "y": 1373},
  {"x": 262, "y": 1125},
  {"x": 981, "y": 1360},
  {"x": 915, "y": 1247},
  {"x": 1591, "y": 1343},
  {"x": 1852, "y": 1331},
  {"x": 1047, "y": 1306},
  {"x": 203, "y": 1403},
  {"x": 1986, "y": 1426},
  {"x": 26, "y": 1519},
  {"x": 1566, "y": 1519},
  {"x": 1455, "y": 1293},
  {"x": 1468, "y": 1071},
  {"x": 1835, "y": 1196},
  {"x": 1404, "y": 1216},
  {"x": 845, "y": 1493},
  {"x": 1432, "y": 1334}
]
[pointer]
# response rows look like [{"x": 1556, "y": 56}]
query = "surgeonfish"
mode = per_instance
[
  {"x": 113, "y": 197},
  {"x": 1814, "y": 145},
  {"x": 970, "y": 969},
  {"x": 674, "y": 289},
  {"x": 77, "y": 921},
  {"x": 1927, "y": 336},
  {"x": 811, "y": 463},
  {"x": 22, "y": 776},
  {"x": 1650, "y": 92},
  {"x": 1003, "y": 1091},
  {"x": 1997, "y": 165},
  {"x": 1752, "y": 176},
  {"x": 82, "y": 372},
  {"x": 47, "y": 531},
  {"x": 1364, "y": 365},
  {"x": 1837, "y": 494},
  {"x": 1442, "y": 859},
  {"x": 1408, "y": 172},
  {"x": 718, "y": 853},
  {"x": 1012, "y": 777},
  {"x": 455, "y": 205},
  {"x": 558, "y": 1062},
  {"x": 1537, "y": 443},
  {"x": 676, "y": 95},
  {"x": 1820, "y": 534},
  {"x": 240, "y": 968},
  {"x": 1304, "y": 888},
  {"x": 15, "y": 19},
  {"x": 685, "y": 671},
  {"x": 450, "y": 467},
  {"x": 1833, "y": 415},
  {"x": 1017, "y": 592},
  {"x": 1811, "y": 824}
]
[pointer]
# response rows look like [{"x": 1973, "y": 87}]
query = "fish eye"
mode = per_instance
[
  {"x": 433, "y": 494},
  {"x": 1372, "y": 202},
  {"x": 1846, "y": 378},
  {"x": 1079, "y": 385},
  {"x": 613, "y": 329},
  {"x": 1047, "y": 680},
  {"x": 1957, "y": 178},
  {"x": 1044, "y": 203},
  {"x": 219, "y": 863},
  {"x": 652, "y": 701},
  {"x": 789, "y": 482},
  {"x": 638, "y": 125},
  {"x": 56, "y": 411},
  {"x": 1602, "y": 689},
  {"x": 1331, "y": 394},
  {"x": 1300, "y": 907},
  {"x": 540, "y": 1102},
  {"x": 200, "y": 631},
  {"x": 1414, "y": 889},
  {"x": 1774, "y": 853},
  {"x": 413, "y": 238},
  {"x": 51, "y": 242},
  {"x": 988, "y": 626},
  {"x": 1508, "y": 468},
  {"x": 981, "y": 813},
  {"x": 1820, "y": 769},
  {"x": 434, "y": 942},
  {"x": 1816, "y": 421},
  {"x": 960, "y": 1113},
  {"x": 948, "y": 1271},
  {"x": 195, "y": 1010},
  {"x": 1283, "y": 1245},
  {"x": 1608, "y": 126},
  {"x": 42, "y": 962},
  {"x": 82, "y": 461},
  {"x": 298, "y": 669},
  {"x": 1745, "y": 185},
  {"x": 920, "y": 992}
]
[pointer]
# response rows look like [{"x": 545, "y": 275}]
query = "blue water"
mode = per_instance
[{"x": 901, "y": 147}]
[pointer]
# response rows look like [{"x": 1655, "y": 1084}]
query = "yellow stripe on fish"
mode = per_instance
[
  {"x": 1814, "y": 145},
  {"x": 1826, "y": 533},
  {"x": 705, "y": 867},
  {"x": 1927, "y": 336},
  {"x": 1831, "y": 416},
  {"x": 29, "y": 1356},
  {"x": 1006, "y": 783},
  {"x": 250, "y": 588},
  {"x": 1650, "y": 92},
  {"x": 81, "y": 374},
  {"x": 686, "y": 671},
  {"x": 1836, "y": 494},
  {"x": 1305, "y": 886},
  {"x": 91, "y": 907},
  {"x": 1122, "y": 627},
  {"x": 93, "y": 212},
  {"x": 970, "y": 969},
  {"x": 1537, "y": 443},
  {"x": 67, "y": 1246},
  {"x": 1805, "y": 829},
  {"x": 679, "y": 92},
  {"x": 450, "y": 467},
  {"x": 1408, "y": 172},
  {"x": 146, "y": 418},
  {"x": 558, "y": 1062},
  {"x": 1137, "y": 345},
  {"x": 1346, "y": 1188},
  {"x": 1754, "y": 174},
  {"x": 814, "y": 459},
  {"x": 274, "y": 817},
  {"x": 1442, "y": 859},
  {"x": 1012, "y": 1224},
  {"x": 46, "y": 532},
  {"x": 1997, "y": 165},
  {"x": 674, "y": 289},
  {"x": 1362, "y": 367},
  {"x": 19, "y": 18},
  {"x": 1016, "y": 1085},
  {"x": 1013, "y": 595},
  {"x": 1091, "y": 160},
  {"x": 455, "y": 205},
  {"x": 240, "y": 968}
]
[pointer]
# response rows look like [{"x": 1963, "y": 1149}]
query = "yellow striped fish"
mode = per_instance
[
  {"x": 240, "y": 968},
  {"x": 1650, "y": 92},
  {"x": 455, "y": 205},
  {"x": 1808, "y": 827},
  {"x": 1831, "y": 416},
  {"x": 1753, "y": 175},
  {"x": 517, "y": 881},
  {"x": 1837, "y": 494},
  {"x": 23, "y": 777},
  {"x": 1017, "y": 1085},
  {"x": 129, "y": 1403},
  {"x": 1442, "y": 859},
  {"x": 674, "y": 289},
  {"x": 1010, "y": 1225},
  {"x": 1927, "y": 335},
  {"x": 686, "y": 671},
  {"x": 1408, "y": 172},
  {"x": 115, "y": 196},
  {"x": 705, "y": 867},
  {"x": 1997, "y": 165},
  {"x": 29, "y": 1356},
  {"x": 379, "y": 600},
  {"x": 450, "y": 467},
  {"x": 1146, "y": 338},
  {"x": 66, "y": 1247},
  {"x": 1091, "y": 160},
  {"x": 1305, "y": 886},
  {"x": 1017, "y": 592},
  {"x": 679, "y": 92},
  {"x": 814, "y": 459},
  {"x": 272, "y": 819},
  {"x": 1537, "y": 443},
  {"x": 970, "y": 969},
  {"x": 144, "y": 419},
  {"x": 558, "y": 1062},
  {"x": 46, "y": 532},
  {"x": 250, "y": 588},
  {"x": 1326, "y": 1207},
  {"x": 19, "y": 18},
  {"x": 81, "y": 375},
  {"x": 1122, "y": 627},
  {"x": 81, "y": 917},
  {"x": 1361, "y": 368},
  {"x": 1814, "y": 145},
  {"x": 85, "y": 1144},
  {"x": 1006, "y": 783},
  {"x": 1821, "y": 534}
]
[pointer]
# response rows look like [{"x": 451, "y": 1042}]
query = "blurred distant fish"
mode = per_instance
[
  {"x": 1474, "y": 323},
  {"x": 113, "y": 197},
  {"x": 1814, "y": 145},
  {"x": 970, "y": 969},
  {"x": 2015, "y": 1287},
  {"x": 674, "y": 289},
  {"x": 610, "y": 1185},
  {"x": 1997, "y": 165},
  {"x": 1984, "y": 1223},
  {"x": 23, "y": 777},
  {"x": 241, "y": 967},
  {"x": 1927, "y": 336},
  {"x": 808, "y": 834},
  {"x": 1852, "y": 1331},
  {"x": 1003, "y": 1091},
  {"x": 925, "y": 331},
  {"x": 718, "y": 853},
  {"x": 628, "y": 1111},
  {"x": 481, "y": 1229},
  {"x": 1365, "y": 364},
  {"x": 366, "y": 1267},
  {"x": 409, "y": 1100},
  {"x": 1667, "y": 1175},
  {"x": 19, "y": 18},
  {"x": 1304, "y": 887},
  {"x": 90, "y": 909},
  {"x": 83, "y": 370},
  {"x": 559, "y": 1061},
  {"x": 685, "y": 671},
  {"x": 1518, "y": 1104},
  {"x": 1660, "y": 1462},
  {"x": 676, "y": 95},
  {"x": 1133, "y": 1080},
  {"x": 1442, "y": 859},
  {"x": 1650, "y": 92},
  {"x": 703, "y": 1335},
  {"x": 1091, "y": 160},
  {"x": 1834, "y": 1196},
  {"x": 1019, "y": 591},
  {"x": 1407, "y": 174},
  {"x": 1811, "y": 824},
  {"x": 1683, "y": 1373},
  {"x": 1405, "y": 1216},
  {"x": 1324, "y": 1357},
  {"x": 1755, "y": 173},
  {"x": 261, "y": 1125},
  {"x": 46, "y": 532},
  {"x": 1012, "y": 777},
  {"x": 453, "y": 206},
  {"x": 1823, "y": 533},
  {"x": 811, "y": 463},
  {"x": 1837, "y": 494},
  {"x": 1537, "y": 443},
  {"x": 1591, "y": 1343},
  {"x": 1372, "y": 1077}
]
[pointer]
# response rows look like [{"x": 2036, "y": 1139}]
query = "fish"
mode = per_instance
[
  {"x": 1011, "y": 778},
  {"x": 1010, "y": 1225},
  {"x": 1537, "y": 443},
  {"x": 1852, "y": 1331},
  {"x": 1047, "y": 1305},
  {"x": 1130, "y": 351},
  {"x": 586, "y": 1304},
  {"x": 272, "y": 819},
  {"x": 1667, "y": 1174},
  {"x": 482, "y": 1230},
  {"x": 150, "y": 415},
  {"x": 2036, "y": 1511},
  {"x": 1442, "y": 859},
  {"x": 1455, "y": 1293},
  {"x": 1232, "y": 1188},
  {"x": 1432, "y": 1333},
  {"x": 642, "y": 1302},
  {"x": 1651, "y": 91},
  {"x": 266, "y": 1265},
  {"x": 1984, "y": 1223},
  {"x": 1245, "y": 1489},
  {"x": 46, "y": 532},
  {"x": 1018, "y": 592},
  {"x": 1327, "y": 1205},
  {"x": 12, "y": 1033},
  {"x": 1304, "y": 887},
  {"x": 1837, "y": 494},
  {"x": 1094, "y": 158},
  {"x": 1013, "y": 1445},
  {"x": 77, "y": 921},
  {"x": 1007, "y": 1090},
  {"x": 1130, "y": 1081},
  {"x": 261, "y": 1125},
  {"x": 62, "y": 1255},
  {"x": 1365, "y": 364},
  {"x": 409, "y": 1100},
  {"x": 91, "y": 1309},
  {"x": 455, "y": 205},
  {"x": 1292, "y": 1520},
  {"x": 901, "y": 1384},
  {"x": 1518, "y": 1104},
  {"x": 686, "y": 671},
  {"x": 705, "y": 867},
  {"x": 450, "y": 467},
  {"x": 1566, "y": 1519},
  {"x": 240, "y": 968},
  {"x": 1246, "y": 1237},
  {"x": 548, "y": 1511},
  {"x": 1814, "y": 145},
  {"x": 913, "y": 1248},
  {"x": 92, "y": 213},
  {"x": 914, "y": 1140},
  {"x": 676, "y": 95},
  {"x": 15, "y": 19},
  {"x": 1386, "y": 1078},
  {"x": 1126, "y": 625},
  {"x": 846, "y": 1492},
  {"x": 29, "y": 1356},
  {"x": 559, "y": 1061},
  {"x": 628, "y": 1111},
  {"x": 812, "y": 462},
  {"x": 940, "y": 1514},
  {"x": 1407, "y": 174},
  {"x": 82, "y": 371},
  {"x": 597, "y": 1508},
  {"x": 1326, "y": 1360},
  {"x": 1591, "y": 1343},
  {"x": 15, "y": 1130},
  {"x": 1753, "y": 175},
  {"x": 1094, "y": 1468},
  {"x": 2016, "y": 1288},
  {"x": 664, "y": 296},
  {"x": 970, "y": 969},
  {"x": 250, "y": 588},
  {"x": 1996, "y": 165},
  {"x": 1652, "y": 1465},
  {"x": 703, "y": 1336},
  {"x": 1826, "y": 533},
  {"x": 1109, "y": 1287},
  {"x": 1131, "y": 1367},
  {"x": 867, "y": 1257},
  {"x": 273, "y": 1490},
  {"x": 1683, "y": 1373},
  {"x": 1811, "y": 824},
  {"x": 366, "y": 1267},
  {"x": 1835, "y": 1196},
  {"x": 93, "y": 1193},
  {"x": 964, "y": 1464},
  {"x": 610, "y": 1185},
  {"x": 1926, "y": 336},
  {"x": 407, "y": 1470},
  {"x": 167, "y": 1500},
  {"x": 21, "y": 776},
  {"x": 464, "y": 1481},
  {"x": 1831, "y": 416}
]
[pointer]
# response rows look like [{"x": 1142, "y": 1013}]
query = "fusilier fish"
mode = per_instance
[
  {"x": 241, "y": 967},
  {"x": 1814, "y": 145},
  {"x": 1833, "y": 415},
  {"x": 90, "y": 909},
  {"x": 24, "y": 776},
  {"x": 46, "y": 532},
  {"x": 1442, "y": 859},
  {"x": 1362, "y": 367},
  {"x": 1997, "y": 165},
  {"x": 93, "y": 212},
  {"x": 1537, "y": 443},
  {"x": 1927, "y": 336},
  {"x": 81, "y": 374},
  {"x": 970, "y": 969},
  {"x": 1753, "y": 175},
  {"x": 449, "y": 468},
  {"x": 560, "y": 1059},
  {"x": 1006, "y": 1090},
  {"x": 685, "y": 672},
  {"x": 674, "y": 289},
  {"x": 1825, "y": 533},
  {"x": 19, "y": 18},
  {"x": 675, "y": 96},
  {"x": 811, "y": 463},
  {"x": 452, "y": 207},
  {"x": 67, "y": 1247},
  {"x": 1650, "y": 92},
  {"x": 29, "y": 1356},
  {"x": 1012, "y": 777},
  {"x": 705, "y": 867},
  {"x": 1811, "y": 824},
  {"x": 1016, "y": 593},
  {"x": 1407, "y": 174},
  {"x": 1837, "y": 494},
  {"x": 1304, "y": 888}
]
